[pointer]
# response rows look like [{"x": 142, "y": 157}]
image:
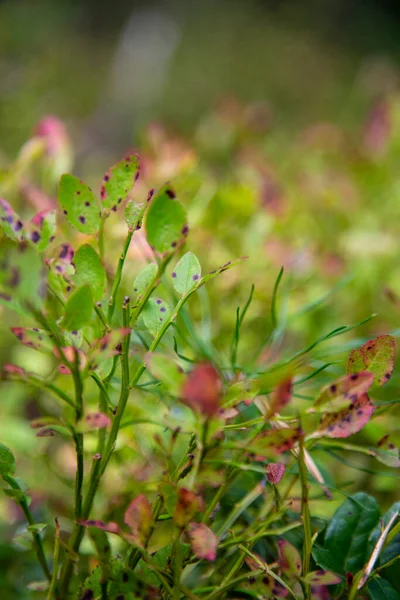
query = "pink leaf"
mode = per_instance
[
  {"x": 138, "y": 517},
  {"x": 275, "y": 472},
  {"x": 110, "y": 527},
  {"x": 97, "y": 420},
  {"x": 33, "y": 338},
  {"x": 203, "y": 541},
  {"x": 280, "y": 397},
  {"x": 347, "y": 421},
  {"x": 187, "y": 506},
  {"x": 274, "y": 441},
  {"x": 202, "y": 390}
]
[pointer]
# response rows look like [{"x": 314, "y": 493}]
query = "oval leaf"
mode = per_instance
[
  {"x": 203, "y": 541},
  {"x": 186, "y": 273},
  {"x": 134, "y": 213},
  {"x": 7, "y": 461},
  {"x": 166, "y": 224},
  {"x": 145, "y": 279},
  {"x": 344, "y": 392},
  {"x": 40, "y": 231},
  {"x": 155, "y": 314},
  {"x": 163, "y": 368},
  {"x": 347, "y": 535},
  {"x": 79, "y": 204},
  {"x": 119, "y": 181},
  {"x": 89, "y": 269},
  {"x": 10, "y": 222},
  {"x": 376, "y": 356},
  {"x": 38, "y": 339},
  {"x": 322, "y": 578},
  {"x": 138, "y": 517},
  {"x": 345, "y": 422},
  {"x": 381, "y": 589},
  {"x": 202, "y": 390},
  {"x": 289, "y": 558},
  {"x": 78, "y": 310}
]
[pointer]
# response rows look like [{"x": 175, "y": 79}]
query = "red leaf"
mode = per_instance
[
  {"x": 203, "y": 541},
  {"x": 202, "y": 390},
  {"x": 187, "y": 506},
  {"x": 110, "y": 527},
  {"x": 280, "y": 397},
  {"x": 347, "y": 421},
  {"x": 138, "y": 517},
  {"x": 289, "y": 558},
  {"x": 274, "y": 441}
]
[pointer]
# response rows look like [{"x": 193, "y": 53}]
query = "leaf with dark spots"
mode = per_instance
[
  {"x": 273, "y": 442},
  {"x": 96, "y": 420},
  {"x": 186, "y": 274},
  {"x": 107, "y": 346},
  {"x": 289, "y": 559},
  {"x": 345, "y": 422},
  {"x": 22, "y": 280},
  {"x": 155, "y": 314},
  {"x": 138, "y": 517},
  {"x": 344, "y": 392},
  {"x": 280, "y": 397},
  {"x": 376, "y": 356},
  {"x": 79, "y": 204},
  {"x": 134, "y": 213},
  {"x": 118, "y": 182},
  {"x": 38, "y": 339},
  {"x": 203, "y": 541},
  {"x": 202, "y": 390},
  {"x": 10, "y": 222},
  {"x": 41, "y": 229},
  {"x": 14, "y": 372},
  {"x": 188, "y": 504},
  {"x": 165, "y": 222},
  {"x": 322, "y": 578}
]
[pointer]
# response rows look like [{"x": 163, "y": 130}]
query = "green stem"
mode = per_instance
[
  {"x": 118, "y": 277},
  {"x": 37, "y": 541},
  {"x": 305, "y": 511},
  {"x": 56, "y": 556}
]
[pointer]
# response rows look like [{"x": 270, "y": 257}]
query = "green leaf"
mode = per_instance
[
  {"x": 119, "y": 181},
  {"x": 79, "y": 204},
  {"x": 381, "y": 589},
  {"x": 155, "y": 314},
  {"x": 38, "y": 339},
  {"x": 78, "y": 309},
  {"x": 322, "y": 578},
  {"x": 36, "y": 527},
  {"x": 134, "y": 213},
  {"x": 89, "y": 269},
  {"x": 272, "y": 442},
  {"x": 325, "y": 559},
  {"x": 347, "y": 534},
  {"x": 241, "y": 391},
  {"x": 122, "y": 583},
  {"x": 187, "y": 273},
  {"x": 22, "y": 279},
  {"x": 376, "y": 356},
  {"x": 7, "y": 461},
  {"x": 40, "y": 231},
  {"x": 73, "y": 338},
  {"x": 144, "y": 279},
  {"x": 289, "y": 558},
  {"x": 10, "y": 222},
  {"x": 163, "y": 368},
  {"x": 166, "y": 223}
]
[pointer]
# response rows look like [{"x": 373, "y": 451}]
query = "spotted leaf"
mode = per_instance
[
  {"x": 274, "y": 441},
  {"x": 186, "y": 274},
  {"x": 166, "y": 223},
  {"x": 79, "y": 204},
  {"x": 155, "y": 314},
  {"x": 376, "y": 356},
  {"x": 118, "y": 182},
  {"x": 22, "y": 279},
  {"x": 10, "y": 222},
  {"x": 145, "y": 279},
  {"x": 322, "y": 577},
  {"x": 107, "y": 346},
  {"x": 345, "y": 422},
  {"x": 188, "y": 504},
  {"x": 40, "y": 231},
  {"x": 289, "y": 558},
  {"x": 344, "y": 392},
  {"x": 37, "y": 339}
]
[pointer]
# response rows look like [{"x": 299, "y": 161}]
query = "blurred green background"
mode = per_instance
[{"x": 279, "y": 124}]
